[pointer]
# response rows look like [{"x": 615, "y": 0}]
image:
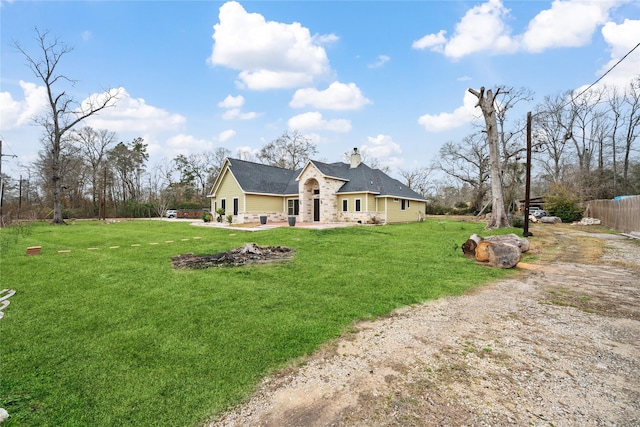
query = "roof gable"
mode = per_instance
[{"x": 265, "y": 179}]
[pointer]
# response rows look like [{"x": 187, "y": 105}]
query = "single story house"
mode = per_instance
[{"x": 318, "y": 192}]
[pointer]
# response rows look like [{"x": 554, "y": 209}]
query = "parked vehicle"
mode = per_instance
[
  {"x": 537, "y": 212},
  {"x": 171, "y": 213}
]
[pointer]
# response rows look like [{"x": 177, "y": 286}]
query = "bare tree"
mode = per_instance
[
  {"x": 632, "y": 121},
  {"x": 552, "y": 132},
  {"x": 94, "y": 145},
  {"x": 486, "y": 104},
  {"x": 417, "y": 179},
  {"x": 467, "y": 162},
  {"x": 63, "y": 111},
  {"x": 289, "y": 151}
]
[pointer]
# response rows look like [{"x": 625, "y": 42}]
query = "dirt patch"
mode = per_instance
[
  {"x": 250, "y": 253},
  {"x": 557, "y": 345}
]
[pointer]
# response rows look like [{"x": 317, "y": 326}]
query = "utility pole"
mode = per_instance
[{"x": 527, "y": 185}]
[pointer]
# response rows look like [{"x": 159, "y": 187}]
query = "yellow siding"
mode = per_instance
[
  {"x": 261, "y": 203},
  {"x": 410, "y": 214},
  {"x": 229, "y": 189},
  {"x": 367, "y": 202}
]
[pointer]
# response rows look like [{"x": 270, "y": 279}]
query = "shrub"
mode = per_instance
[
  {"x": 561, "y": 203},
  {"x": 518, "y": 221},
  {"x": 206, "y": 216},
  {"x": 220, "y": 213}
]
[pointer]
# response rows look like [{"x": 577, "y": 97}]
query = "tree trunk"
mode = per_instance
[
  {"x": 498, "y": 216},
  {"x": 469, "y": 247},
  {"x": 503, "y": 255},
  {"x": 55, "y": 178},
  {"x": 502, "y": 251}
]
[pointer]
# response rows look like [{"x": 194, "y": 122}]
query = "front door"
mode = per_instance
[{"x": 316, "y": 209}]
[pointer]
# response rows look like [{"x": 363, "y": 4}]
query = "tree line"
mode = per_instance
[{"x": 584, "y": 146}]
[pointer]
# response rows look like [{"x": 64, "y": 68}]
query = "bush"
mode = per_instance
[
  {"x": 561, "y": 203},
  {"x": 518, "y": 221},
  {"x": 206, "y": 216}
]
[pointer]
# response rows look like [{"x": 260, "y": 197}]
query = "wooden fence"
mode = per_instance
[{"x": 621, "y": 215}]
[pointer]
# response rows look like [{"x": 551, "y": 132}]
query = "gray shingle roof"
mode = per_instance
[
  {"x": 258, "y": 178},
  {"x": 364, "y": 178}
]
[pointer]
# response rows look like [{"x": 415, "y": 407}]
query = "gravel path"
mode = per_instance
[{"x": 558, "y": 345}]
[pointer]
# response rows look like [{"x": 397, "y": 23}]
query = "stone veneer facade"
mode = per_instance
[{"x": 312, "y": 179}]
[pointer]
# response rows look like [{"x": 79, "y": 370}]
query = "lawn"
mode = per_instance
[{"x": 115, "y": 336}]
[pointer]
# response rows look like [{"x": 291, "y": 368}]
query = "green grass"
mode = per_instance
[{"x": 117, "y": 337}]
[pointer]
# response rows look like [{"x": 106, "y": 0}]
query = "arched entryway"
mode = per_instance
[{"x": 311, "y": 201}]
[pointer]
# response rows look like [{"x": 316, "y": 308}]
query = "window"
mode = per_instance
[
  {"x": 345, "y": 205},
  {"x": 235, "y": 206},
  {"x": 358, "y": 205},
  {"x": 403, "y": 204},
  {"x": 316, "y": 191},
  {"x": 293, "y": 207},
  {"x": 223, "y": 204}
]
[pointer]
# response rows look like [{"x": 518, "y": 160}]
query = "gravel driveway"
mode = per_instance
[{"x": 559, "y": 344}]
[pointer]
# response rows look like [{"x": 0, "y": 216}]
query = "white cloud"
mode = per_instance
[
  {"x": 314, "y": 120},
  {"x": 86, "y": 35},
  {"x": 135, "y": 115},
  {"x": 234, "y": 112},
  {"x": 338, "y": 96},
  {"x": 382, "y": 59},
  {"x": 187, "y": 144},
  {"x": 232, "y": 102},
  {"x": 565, "y": 24},
  {"x": 226, "y": 135},
  {"x": 433, "y": 41},
  {"x": 14, "y": 114},
  {"x": 383, "y": 149},
  {"x": 621, "y": 38},
  {"x": 459, "y": 117},
  {"x": 268, "y": 54},
  {"x": 247, "y": 153}
]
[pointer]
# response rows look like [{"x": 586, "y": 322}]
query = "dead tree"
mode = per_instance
[
  {"x": 63, "y": 111},
  {"x": 486, "y": 104}
]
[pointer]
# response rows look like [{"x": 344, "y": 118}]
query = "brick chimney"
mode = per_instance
[{"x": 355, "y": 159}]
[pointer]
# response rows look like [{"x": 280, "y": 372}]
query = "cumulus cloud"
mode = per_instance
[
  {"x": 233, "y": 104},
  {"x": 268, "y": 54},
  {"x": 459, "y": 117},
  {"x": 621, "y": 38},
  {"x": 14, "y": 113},
  {"x": 431, "y": 41},
  {"x": 187, "y": 144},
  {"x": 314, "y": 120},
  {"x": 383, "y": 149},
  {"x": 565, "y": 24},
  {"x": 135, "y": 115},
  {"x": 484, "y": 29},
  {"x": 338, "y": 96}
]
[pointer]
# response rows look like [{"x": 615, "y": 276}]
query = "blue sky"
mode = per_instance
[{"x": 388, "y": 77}]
